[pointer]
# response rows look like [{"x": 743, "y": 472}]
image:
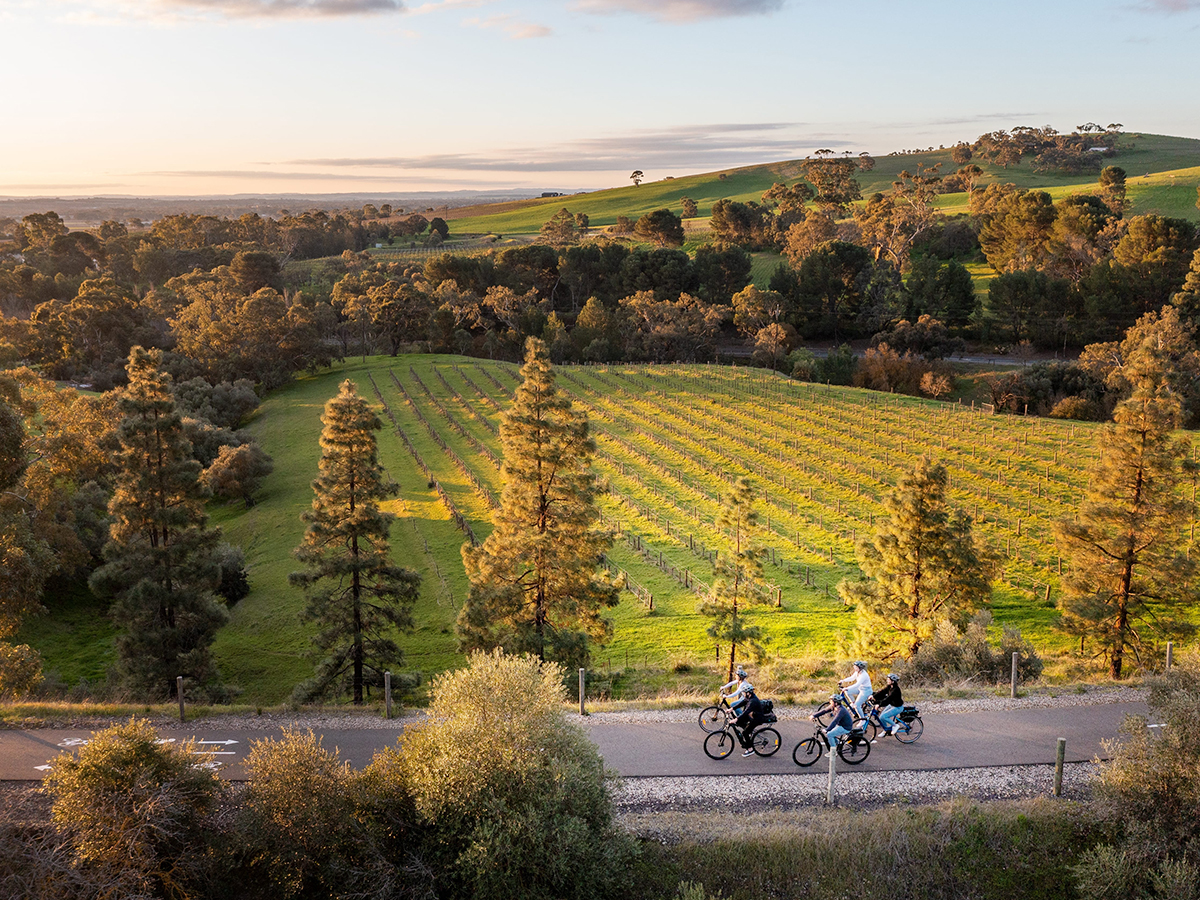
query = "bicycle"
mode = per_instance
[
  {"x": 908, "y": 725},
  {"x": 853, "y": 748},
  {"x": 713, "y": 719},
  {"x": 824, "y": 716},
  {"x": 763, "y": 740}
]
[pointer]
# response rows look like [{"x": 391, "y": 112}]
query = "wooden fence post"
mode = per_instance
[
  {"x": 1059, "y": 757},
  {"x": 829, "y": 796}
]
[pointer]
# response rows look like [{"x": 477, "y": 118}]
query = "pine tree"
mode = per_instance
[
  {"x": 161, "y": 566},
  {"x": 922, "y": 567},
  {"x": 534, "y": 582},
  {"x": 357, "y": 597},
  {"x": 739, "y": 574},
  {"x": 1127, "y": 577}
]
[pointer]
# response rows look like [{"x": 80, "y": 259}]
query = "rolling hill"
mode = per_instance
[{"x": 1163, "y": 172}]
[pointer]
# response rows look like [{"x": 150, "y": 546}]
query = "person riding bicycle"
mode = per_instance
[
  {"x": 858, "y": 686},
  {"x": 890, "y": 703},
  {"x": 841, "y": 724},
  {"x": 736, "y": 692},
  {"x": 745, "y": 705}
]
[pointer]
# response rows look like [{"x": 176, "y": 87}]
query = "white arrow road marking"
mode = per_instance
[
  {"x": 165, "y": 741},
  {"x": 42, "y": 768},
  {"x": 72, "y": 742},
  {"x": 207, "y": 752},
  {"x": 225, "y": 743},
  {"x": 1160, "y": 725}
]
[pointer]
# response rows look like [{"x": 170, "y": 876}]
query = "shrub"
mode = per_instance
[
  {"x": 952, "y": 655},
  {"x": 883, "y": 369},
  {"x": 1149, "y": 791},
  {"x": 298, "y": 832},
  {"x": 1079, "y": 408},
  {"x": 838, "y": 366},
  {"x": 134, "y": 810},
  {"x": 20, "y": 670},
  {"x": 505, "y": 791},
  {"x": 804, "y": 364}
]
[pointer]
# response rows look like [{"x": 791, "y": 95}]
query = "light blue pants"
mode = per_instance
[
  {"x": 887, "y": 717},
  {"x": 833, "y": 734}
]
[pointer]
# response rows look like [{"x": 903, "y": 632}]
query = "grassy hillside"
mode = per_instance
[
  {"x": 670, "y": 439},
  {"x": 1170, "y": 190}
]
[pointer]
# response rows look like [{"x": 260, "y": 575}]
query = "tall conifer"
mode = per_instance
[
  {"x": 357, "y": 597},
  {"x": 922, "y": 567},
  {"x": 739, "y": 574},
  {"x": 1128, "y": 578},
  {"x": 161, "y": 565},
  {"x": 535, "y": 587}
]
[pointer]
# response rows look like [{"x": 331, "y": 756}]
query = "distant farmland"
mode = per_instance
[{"x": 670, "y": 440}]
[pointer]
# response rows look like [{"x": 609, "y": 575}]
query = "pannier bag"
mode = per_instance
[
  {"x": 768, "y": 712},
  {"x": 909, "y": 713}
]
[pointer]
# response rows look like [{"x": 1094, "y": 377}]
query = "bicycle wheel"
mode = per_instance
[
  {"x": 910, "y": 731},
  {"x": 808, "y": 751},
  {"x": 713, "y": 718},
  {"x": 766, "y": 742},
  {"x": 824, "y": 714},
  {"x": 854, "y": 749},
  {"x": 720, "y": 744}
]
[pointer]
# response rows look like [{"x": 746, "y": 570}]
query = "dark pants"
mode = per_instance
[{"x": 749, "y": 720}]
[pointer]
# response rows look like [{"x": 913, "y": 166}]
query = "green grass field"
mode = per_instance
[
  {"x": 1157, "y": 156},
  {"x": 670, "y": 439}
]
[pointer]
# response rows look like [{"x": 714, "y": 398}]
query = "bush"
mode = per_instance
[
  {"x": 1149, "y": 793},
  {"x": 134, "y": 810},
  {"x": 804, "y": 364},
  {"x": 952, "y": 655},
  {"x": 884, "y": 369},
  {"x": 1079, "y": 408},
  {"x": 298, "y": 832},
  {"x": 838, "y": 366},
  {"x": 505, "y": 791},
  {"x": 20, "y": 670}
]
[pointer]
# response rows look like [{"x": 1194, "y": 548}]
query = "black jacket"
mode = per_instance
[{"x": 889, "y": 696}]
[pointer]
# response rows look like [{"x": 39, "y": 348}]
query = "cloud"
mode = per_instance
[
  {"x": 684, "y": 10},
  {"x": 257, "y": 174},
  {"x": 695, "y": 147},
  {"x": 1169, "y": 6},
  {"x": 516, "y": 29},
  {"x": 284, "y": 9}
]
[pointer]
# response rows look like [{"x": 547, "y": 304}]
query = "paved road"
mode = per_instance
[{"x": 998, "y": 738}]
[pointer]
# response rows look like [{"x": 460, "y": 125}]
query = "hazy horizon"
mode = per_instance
[{"x": 180, "y": 98}]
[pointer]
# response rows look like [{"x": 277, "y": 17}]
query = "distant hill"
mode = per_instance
[{"x": 1163, "y": 173}]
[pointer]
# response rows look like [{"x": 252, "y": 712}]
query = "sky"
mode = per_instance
[{"x": 201, "y": 97}]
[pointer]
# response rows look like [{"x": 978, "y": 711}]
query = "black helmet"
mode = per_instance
[
  {"x": 892, "y": 676},
  {"x": 859, "y": 664},
  {"x": 835, "y": 699}
]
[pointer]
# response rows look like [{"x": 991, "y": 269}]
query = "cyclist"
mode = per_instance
[
  {"x": 890, "y": 703},
  {"x": 858, "y": 686},
  {"x": 745, "y": 705},
  {"x": 841, "y": 724},
  {"x": 736, "y": 691}
]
